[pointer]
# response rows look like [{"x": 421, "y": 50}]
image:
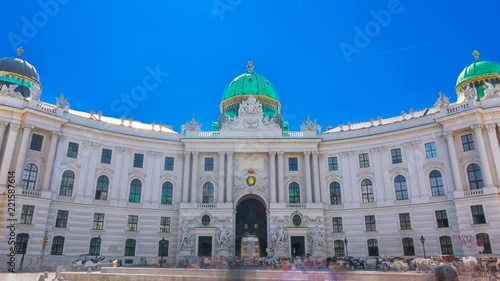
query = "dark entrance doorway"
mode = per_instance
[
  {"x": 205, "y": 246},
  {"x": 298, "y": 248},
  {"x": 251, "y": 219}
]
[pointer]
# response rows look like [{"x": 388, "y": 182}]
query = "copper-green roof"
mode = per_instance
[{"x": 479, "y": 70}]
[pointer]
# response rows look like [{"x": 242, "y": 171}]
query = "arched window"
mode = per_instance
[
  {"x": 135, "y": 191},
  {"x": 129, "y": 247},
  {"x": 208, "y": 193},
  {"x": 163, "y": 248},
  {"x": 29, "y": 176},
  {"x": 485, "y": 238},
  {"x": 293, "y": 193},
  {"x": 21, "y": 243},
  {"x": 67, "y": 182},
  {"x": 57, "y": 246},
  {"x": 338, "y": 248},
  {"x": 475, "y": 177},
  {"x": 372, "y": 247},
  {"x": 401, "y": 188},
  {"x": 367, "y": 191},
  {"x": 446, "y": 245},
  {"x": 101, "y": 190},
  {"x": 408, "y": 247},
  {"x": 437, "y": 187},
  {"x": 166, "y": 193},
  {"x": 95, "y": 246},
  {"x": 335, "y": 195}
]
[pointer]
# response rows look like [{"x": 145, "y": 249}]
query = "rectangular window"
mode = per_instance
[
  {"x": 27, "y": 214},
  {"x": 404, "y": 221},
  {"x": 478, "y": 214},
  {"x": 337, "y": 225},
  {"x": 370, "y": 223},
  {"x": 169, "y": 164},
  {"x": 293, "y": 164},
  {"x": 396, "y": 156},
  {"x": 333, "y": 164},
  {"x": 165, "y": 224},
  {"x": 62, "y": 219},
  {"x": 72, "y": 150},
  {"x": 364, "y": 162},
  {"x": 430, "y": 150},
  {"x": 209, "y": 164},
  {"x": 98, "y": 221},
  {"x": 138, "y": 160},
  {"x": 106, "y": 156},
  {"x": 133, "y": 222},
  {"x": 442, "y": 219},
  {"x": 36, "y": 142},
  {"x": 468, "y": 142}
]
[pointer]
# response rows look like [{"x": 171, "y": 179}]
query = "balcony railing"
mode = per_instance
[
  {"x": 206, "y": 205},
  {"x": 65, "y": 198},
  {"x": 296, "y": 205},
  {"x": 475, "y": 192},
  {"x": 32, "y": 193},
  {"x": 460, "y": 107}
]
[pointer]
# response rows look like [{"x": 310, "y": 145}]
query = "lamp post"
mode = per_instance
[
  {"x": 422, "y": 239},
  {"x": 162, "y": 249},
  {"x": 346, "y": 251}
]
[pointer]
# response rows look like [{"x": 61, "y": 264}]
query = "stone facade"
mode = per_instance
[{"x": 118, "y": 187}]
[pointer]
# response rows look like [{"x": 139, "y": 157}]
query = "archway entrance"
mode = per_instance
[
  {"x": 297, "y": 243},
  {"x": 205, "y": 246},
  {"x": 251, "y": 219}
]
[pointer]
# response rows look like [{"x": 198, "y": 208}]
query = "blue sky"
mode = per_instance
[{"x": 337, "y": 61}]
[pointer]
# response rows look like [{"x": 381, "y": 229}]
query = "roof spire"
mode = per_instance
[
  {"x": 250, "y": 66},
  {"x": 476, "y": 55},
  {"x": 20, "y": 50}
]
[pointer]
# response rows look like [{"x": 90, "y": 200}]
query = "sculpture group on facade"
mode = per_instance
[
  {"x": 442, "y": 101},
  {"x": 9, "y": 90},
  {"x": 491, "y": 91},
  {"x": 279, "y": 237},
  {"x": 187, "y": 240},
  {"x": 316, "y": 237},
  {"x": 224, "y": 235}
]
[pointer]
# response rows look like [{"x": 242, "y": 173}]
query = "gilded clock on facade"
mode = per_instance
[{"x": 251, "y": 180}]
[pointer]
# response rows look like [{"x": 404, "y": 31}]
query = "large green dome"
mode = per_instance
[
  {"x": 246, "y": 84},
  {"x": 477, "y": 72}
]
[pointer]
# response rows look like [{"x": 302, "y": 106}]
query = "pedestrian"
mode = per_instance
[{"x": 445, "y": 271}]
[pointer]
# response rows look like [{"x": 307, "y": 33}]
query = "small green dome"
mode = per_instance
[
  {"x": 477, "y": 72},
  {"x": 250, "y": 83}
]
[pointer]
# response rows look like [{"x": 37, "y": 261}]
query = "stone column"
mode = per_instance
[
  {"x": 115, "y": 181},
  {"x": 23, "y": 148},
  {"x": 483, "y": 155},
  {"x": 385, "y": 158},
  {"x": 178, "y": 162},
  {"x": 194, "y": 179},
  {"x": 82, "y": 179},
  {"x": 220, "y": 188},
  {"x": 54, "y": 137},
  {"x": 444, "y": 154},
  {"x": 3, "y": 126},
  {"x": 354, "y": 169},
  {"x": 412, "y": 181},
  {"x": 230, "y": 174},
  {"x": 322, "y": 172},
  {"x": 151, "y": 187},
  {"x": 419, "y": 159},
  {"x": 492, "y": 136},
  {"x": 315, "y": 176},
  {"x": 56, "y": 169},
  {"x": 8, "y": 155},
  {"x": 307, "y": 160},
  {"x": 124, "y": 181},
  {"x": 281, "y": 187},
  {"x": 91, "y": 179},
  {"x": 347, "y": 185},
  {"x": 185, "y": 177},
  {"x": 457, "y": 179},
  {"x": 272, "y": 176},
  {"x": 379, "y": 185}
]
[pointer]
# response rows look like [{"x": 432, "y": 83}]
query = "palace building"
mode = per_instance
[{"x": 422, "y": 183}]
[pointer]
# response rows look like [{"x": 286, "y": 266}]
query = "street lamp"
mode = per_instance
[
  {"x": 346, "y": 251},
  {"x": 422, "y": 239},
  {"x": 162, "y": 249}
]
